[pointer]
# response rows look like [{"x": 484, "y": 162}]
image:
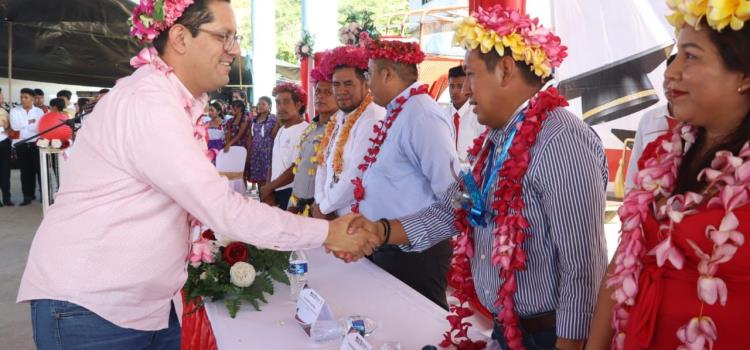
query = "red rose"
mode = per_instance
[
  {"x": 234, "y": 252},
  {"x": 209, "y": 234}
]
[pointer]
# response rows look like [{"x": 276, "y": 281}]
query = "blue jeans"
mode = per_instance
[
  {"x": 61, "y": 325},
  {"x": 540, "y": 340}
]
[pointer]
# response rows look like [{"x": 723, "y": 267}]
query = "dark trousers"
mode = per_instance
[
  {"x": 28, "y": 157},
  {"x": 426, "y": 272},
  {"x": 282, "y": 197},
  {"x": 5, "y": 169},
  {"x": 540, "y": 339}
]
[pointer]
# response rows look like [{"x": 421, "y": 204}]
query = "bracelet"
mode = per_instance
[{"x": 387, "y": 228}]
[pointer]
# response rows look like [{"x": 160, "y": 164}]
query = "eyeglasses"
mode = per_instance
[{"x": 229, "y": 40}]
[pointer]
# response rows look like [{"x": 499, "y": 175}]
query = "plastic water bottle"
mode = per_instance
[{"x": 297, "y": 272}]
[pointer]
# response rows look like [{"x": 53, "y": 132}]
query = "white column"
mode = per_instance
[
  {"x": 264, "y": 47},
  {"x": 320, "y": 19}
]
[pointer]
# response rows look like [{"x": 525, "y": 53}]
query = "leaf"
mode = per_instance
[{"x": 233, "y": 306}]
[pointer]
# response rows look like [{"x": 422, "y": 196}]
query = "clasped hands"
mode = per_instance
[{"x": 352, "y": 237}]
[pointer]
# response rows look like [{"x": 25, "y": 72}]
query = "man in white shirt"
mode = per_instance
[
  {"x": 346, "y": 141},
  {"x": 4, "y": 153},
  {"x": 25, "y": 120},
  {"x": 413, "y": 165},
  {"x": 465, "y": 126},
  {"x": 291, "y": 101}
]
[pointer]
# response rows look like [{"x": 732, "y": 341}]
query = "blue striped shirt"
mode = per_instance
[{"x": 565, "y": 194}]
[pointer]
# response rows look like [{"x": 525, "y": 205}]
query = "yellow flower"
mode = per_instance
[
  {"x": 694, "y": 10},
  {"x": 733, "y": 13}
]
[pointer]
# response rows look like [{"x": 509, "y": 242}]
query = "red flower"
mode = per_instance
[
  {"x": 397, "y": 51},
  {"x": 234, "y": 252},
  {"x": 209, "y": 234}
]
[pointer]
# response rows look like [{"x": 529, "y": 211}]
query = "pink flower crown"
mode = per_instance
[
  {"x": 499, "y": 28},
  {"x": 151, "y": 17},
  {"x": 397, "y": 51},
  {"x": 349, "y": 56},
  {"x": 293, "y": 89}
]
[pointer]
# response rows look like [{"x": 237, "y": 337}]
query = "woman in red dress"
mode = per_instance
[{"x": 680, "y": 278}]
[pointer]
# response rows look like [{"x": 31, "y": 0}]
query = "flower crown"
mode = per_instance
[
  {"x": 719, "y": 13},
  {"x": 350, "y": 56},
  {"x": 499, "y": 28},
  {"x": 152, "y": 17},
  {"x": 397, "y": 51},
  {"x": 293, "y": 89}
]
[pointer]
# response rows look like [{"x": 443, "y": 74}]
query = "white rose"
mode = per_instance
[
  {"x": 242, "y": 274},
  {"x": 305, "y": 49},
  {"x": 203, "y": 275},
  {"x": 56, "y": 143}
]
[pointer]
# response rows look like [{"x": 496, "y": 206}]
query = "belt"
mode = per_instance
[{"x": 546, "y": 321}]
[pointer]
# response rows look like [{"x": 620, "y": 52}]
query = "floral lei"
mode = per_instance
[
  {"x": 151, "y": 17},
  {"x": 381, "y": 132},
  {"x": 338, "y": 153},
  {"x": 728, "y": 179},
  {"x": 314, "y": 160},
  {"x": 509, "y": 232}
]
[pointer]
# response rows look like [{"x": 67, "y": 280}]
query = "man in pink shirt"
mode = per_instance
[{"x": 111, "y": 253}]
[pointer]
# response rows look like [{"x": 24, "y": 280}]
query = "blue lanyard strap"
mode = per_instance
[{"x": 477, "y": 209}]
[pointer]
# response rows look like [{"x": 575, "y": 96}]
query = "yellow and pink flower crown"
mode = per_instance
[
  {"x": 500, "y": 28},
  {"x": 151, "y": 17},
  {"x": 718, "y": 13}
]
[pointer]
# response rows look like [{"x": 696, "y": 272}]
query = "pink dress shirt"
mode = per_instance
[{"x": 116, "y": 241}]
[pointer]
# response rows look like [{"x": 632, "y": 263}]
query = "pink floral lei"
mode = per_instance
[
  {"x": 509, "y": 233},
  {"x": 151, "y": 17},
  {"x": 381, "y": 132},
  {"x": 728, "y": 180}
]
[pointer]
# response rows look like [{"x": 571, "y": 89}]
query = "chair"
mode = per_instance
[{"x": 232, "y": 166}]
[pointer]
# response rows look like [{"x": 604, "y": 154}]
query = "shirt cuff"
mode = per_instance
[
  {"x": 573, "y": 325},
  {"x": 414, "y": 229}
]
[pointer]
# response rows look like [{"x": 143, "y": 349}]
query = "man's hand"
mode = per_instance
[
  {"x": 270, "y": 200},
  {"x": 226, "y": 148},
  {"x": 569, "y": 344},
  {"x": 316, "y": 213},
  {"x": 265, "y": 192},
  {"x": 293, "y": 209},
  {"x": 360, "y": 225},
  {"x": 351, "y": 246}
]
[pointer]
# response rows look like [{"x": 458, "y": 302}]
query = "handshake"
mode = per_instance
[{"x": 352, "y": 236}]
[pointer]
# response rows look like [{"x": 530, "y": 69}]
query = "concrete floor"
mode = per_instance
[{"x": 17, "y": 228}]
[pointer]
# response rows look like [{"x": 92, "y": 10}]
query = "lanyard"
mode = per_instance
[{"x": 493, "y": 170}]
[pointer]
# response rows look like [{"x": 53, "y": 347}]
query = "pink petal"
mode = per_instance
[
  {"x": 692, "y": 330},
  {"x": 708, "y": 327},
  {"x": 707, "y": 290},
  {"x": 729, "y": 222},
  {"x": 723, "y": 253},
  {"x": 718, "y": 237},
  {"x": 742, "y": 174}
]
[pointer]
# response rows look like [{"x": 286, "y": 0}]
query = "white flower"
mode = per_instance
[
  {"x": 222, "y": 240},
  {"x": 203, "y": 275},
  {"x": 305, "y": 49},
  {"x": 242, "y": 274},
  {"x": 56, "y": 143},
  {"x": 43, "y": 143}
]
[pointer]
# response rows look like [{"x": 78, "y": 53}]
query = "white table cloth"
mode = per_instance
[{"x": 360, "y": 288}]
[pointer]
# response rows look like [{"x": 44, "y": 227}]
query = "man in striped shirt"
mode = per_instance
[{"x": 564, "y": 192}]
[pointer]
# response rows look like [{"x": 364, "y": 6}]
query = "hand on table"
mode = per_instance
[
  {"x": 347, "y": 244},
  {"x": 265, "y": 193}
]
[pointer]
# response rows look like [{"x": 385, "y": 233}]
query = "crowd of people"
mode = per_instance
[
  {"x": 516, "y": 222},
  {"x": 20, "y": 122}
]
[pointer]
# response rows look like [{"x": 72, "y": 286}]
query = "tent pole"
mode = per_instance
[{"x": 10, "y": 63}]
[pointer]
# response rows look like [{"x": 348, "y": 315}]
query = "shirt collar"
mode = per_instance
[
  {"x": 497, "y": 134},
  {"x": 461, "y": 111},
  {"x": 405, "y": 93}
]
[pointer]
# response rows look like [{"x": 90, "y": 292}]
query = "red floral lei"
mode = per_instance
[
  {"x": 509, "y": 232},
  {"x": 381, "y": 132}
]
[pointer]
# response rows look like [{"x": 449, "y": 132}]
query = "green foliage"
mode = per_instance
[{"x": 270, "y": 266}]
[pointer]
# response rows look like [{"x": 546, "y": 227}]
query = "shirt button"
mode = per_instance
[
  {"x": 487, "y": 292},
  {"x": 483, "y": 256}
]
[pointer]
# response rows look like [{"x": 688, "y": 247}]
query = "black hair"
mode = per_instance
[
  {"x": 240, "y": 104},
  {"x": 58, "y": 103},
  {"x": 267, "y": 99},
  {"x": 217, "y": 106},
  {"x": 734, "y": 49},
  {"x": 491, "y": 58},
  {"x": 456, "y": 72},
  {"x": 358, "y": 71},
  {"x": 65, "y": 93},
  {"x": 82, "y": 102},
  {"x": 37, "y": 92},
  {"x": 103, "y": 91},
  {"x": 671, "y": 58},
  {"x": 194, "y": 16},
  {"x": 28, "y": 91}
]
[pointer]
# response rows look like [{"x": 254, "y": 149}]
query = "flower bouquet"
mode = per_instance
[
  {"x": 356, "y": 27},
  {"x": 304, "y": 48},
  {"x": 235, "y": 272}
]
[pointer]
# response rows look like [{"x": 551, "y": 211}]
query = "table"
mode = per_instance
[{"x": 360, "y": 288}]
